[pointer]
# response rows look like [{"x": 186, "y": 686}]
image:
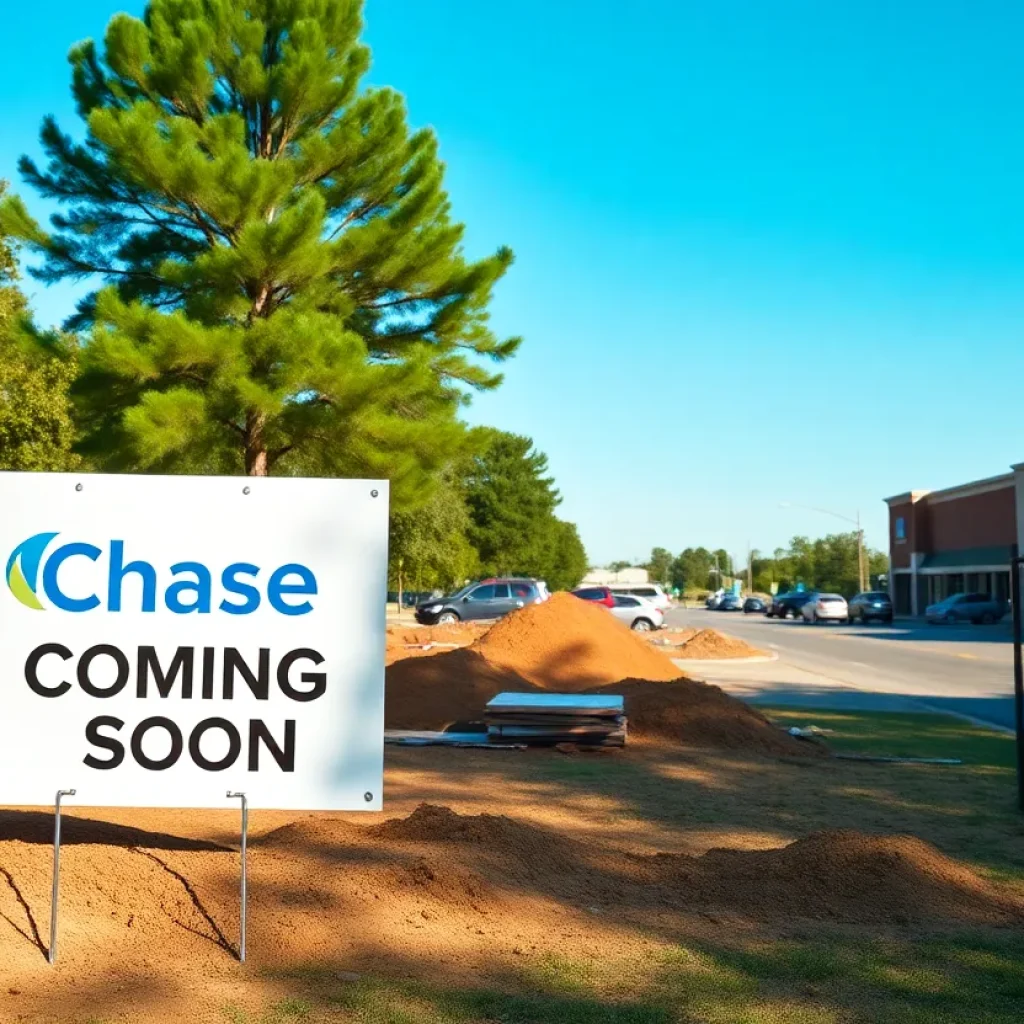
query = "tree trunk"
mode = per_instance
[{"x": 255, "y": 446}]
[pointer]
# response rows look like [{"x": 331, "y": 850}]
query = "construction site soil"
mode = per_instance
[
  {"x": 149, "y": 921},
  {"x": 415, "y": 641},
  {"x": 588, "y": 859},
  {"x": 567, "y": 645},
  {"x": 709, "y": 644},
  {"x": 693, "y": 713}
]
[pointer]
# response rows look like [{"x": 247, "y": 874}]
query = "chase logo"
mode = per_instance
[
  {"x": 115, "y": 584},
  {"x": 23, "y": 569}
]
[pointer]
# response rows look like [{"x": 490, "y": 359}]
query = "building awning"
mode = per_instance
[{"x": 987, "y": 559}]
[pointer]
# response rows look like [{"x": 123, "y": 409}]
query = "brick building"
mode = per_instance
[{"x": 956, "y": 540}]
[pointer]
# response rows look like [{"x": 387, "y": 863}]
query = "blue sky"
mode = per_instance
[{"x": 766, "y": 253}]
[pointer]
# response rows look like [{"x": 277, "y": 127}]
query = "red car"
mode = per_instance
[{"x": 599, "y": 595}]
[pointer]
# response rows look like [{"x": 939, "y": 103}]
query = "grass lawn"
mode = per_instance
[
  {"x": 905, "y": 735},
  {"x": 963, "y": 980}
]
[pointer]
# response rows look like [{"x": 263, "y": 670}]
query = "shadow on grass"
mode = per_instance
[
  {"x": 818, "y": 980},
  {"x": 549, "y": 999},
  {"x": 952, "y": 980}
]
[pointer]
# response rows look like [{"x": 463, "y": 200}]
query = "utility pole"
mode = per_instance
[
  {"x": 861, "y": 561},
  {"x": 750, "y": 569},
  {"x": 860, "y": 555}
]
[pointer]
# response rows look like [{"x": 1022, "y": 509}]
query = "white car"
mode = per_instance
[
  {"x": 826, "y": 608},
  {"x": 637, "y": 613},
  {"x": 653, "y": 593}
]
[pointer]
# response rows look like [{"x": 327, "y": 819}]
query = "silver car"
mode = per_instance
[
  {"x": 826, "y": 608},
  {"x": 637, "y": 613}
]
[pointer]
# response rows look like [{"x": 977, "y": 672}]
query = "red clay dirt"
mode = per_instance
[
  {"x": 432, "y": 693},
  {"x": 710, "y": 644},
  {"x": 694, "y": 713},
  {"x": 840, "y": 875},
  {"x": 149, "y": 921},
  {"x": 415, "y": 641},
  {"x": 844, "y": 876},
  {"x": 568, "y": 645}
]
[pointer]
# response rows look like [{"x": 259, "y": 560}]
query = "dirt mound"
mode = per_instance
[
  {"x": 432, "y": 693},
  {"x": 151, "y": 933},
  {"x": 568, "y": 645},
  {"x": 841, "y": 876},
  {"x": 414, "y": 641},
  {"x": 430, "y": 823},
  {"x": 697, "y": 714},
  {"x": 500, "y": 852},
  {"x": 308, "y": 834},
  {"x": 709, "y": 643}
]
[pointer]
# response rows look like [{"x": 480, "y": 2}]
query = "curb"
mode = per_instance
[{"x": 759, "y": 659}]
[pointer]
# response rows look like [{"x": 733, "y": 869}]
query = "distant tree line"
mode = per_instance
[
  {"x": 492, "y": 514},
  {"x": 828, "y": 563}
]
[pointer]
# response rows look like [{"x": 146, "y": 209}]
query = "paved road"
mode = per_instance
[{"x": 967, "y": 669}]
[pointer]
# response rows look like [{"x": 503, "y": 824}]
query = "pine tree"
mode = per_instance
[
  {"x": 511, "y": 501},
  {"x": 286, "y": 290}
]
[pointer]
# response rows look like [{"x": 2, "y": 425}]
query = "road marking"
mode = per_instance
[{"x": 964, "y": 654}]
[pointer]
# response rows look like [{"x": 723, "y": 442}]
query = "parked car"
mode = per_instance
[
  {"x": 713, "y": 601},
  {"x": 976, "y": 608},
  {"x": 488, "y": 599},
  {"x": 730, "y": 603},
  {"x": 754, "y": 604},
  {"x": 826, "y": 608},
  {"x": 599, "y": 595},
  {"x": 652, "y": 592},
  {"x": 788, "y": 606},
  {"x": 638, "y": 613},
  {"x": 872, "y": 604}
]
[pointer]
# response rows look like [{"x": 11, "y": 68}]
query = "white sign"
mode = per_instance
[{"x": 166, "y": 639}]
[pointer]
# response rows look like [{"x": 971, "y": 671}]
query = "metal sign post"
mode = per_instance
[
  {"x": 55, "y": 895},
  {"x": 245, "y": 872},
  {"x": 1018, "y": 670}
]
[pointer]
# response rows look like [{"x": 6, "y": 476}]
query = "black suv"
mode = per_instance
[
  {"x": 785, "y": 606},
  {"x": 488, "y": 599}
]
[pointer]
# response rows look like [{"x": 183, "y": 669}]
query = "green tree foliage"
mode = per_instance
[
  {"x": 827, "y": 563},
  {"x": 512, "y": 500},
  {"x": 567, "y": 558},
  {"x": 36, "y": 431},
  {"x": 659, "y": 567},
  {"x": 286, "y": 289},
  {"x": 692, "y": 569},
  {"x": 620, "y": 565},
  {"x": 430, "y": 546}
]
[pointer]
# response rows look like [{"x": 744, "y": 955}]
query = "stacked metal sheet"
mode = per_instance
[{"x": 548, "y": 718}]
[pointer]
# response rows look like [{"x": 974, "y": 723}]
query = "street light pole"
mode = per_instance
[{"x": 861, "y": 563}]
